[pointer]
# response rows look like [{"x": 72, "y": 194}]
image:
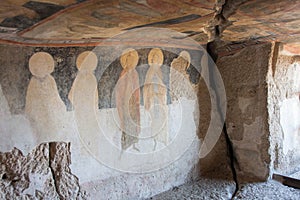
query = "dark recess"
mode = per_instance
[
  {"x": 44, "y": 10},
  {"x": 20, "y": 22}
]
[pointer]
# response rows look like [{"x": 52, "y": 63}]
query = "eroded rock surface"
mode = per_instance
[{"x": 42, "y": 174}]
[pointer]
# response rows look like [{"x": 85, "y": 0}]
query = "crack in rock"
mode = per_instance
[
  {"x": 212, "y": 51},
  {"x": 220, "y": 21},
  {"x": 42, "y": 174}
]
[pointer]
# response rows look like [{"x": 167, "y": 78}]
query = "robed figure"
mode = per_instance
[{"x": 127, "y": 95}]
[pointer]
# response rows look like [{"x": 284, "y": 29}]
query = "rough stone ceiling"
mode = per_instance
[{"x": 78, "y": 19}]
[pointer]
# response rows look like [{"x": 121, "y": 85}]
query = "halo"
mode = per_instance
[
  {"x": 87, "y": 60},
  {"x": 41, "y": 64},
  {"x": 131, "y": 53},
  {"x": 159, "y": 53},
  {"x": 186, "y": 56}
]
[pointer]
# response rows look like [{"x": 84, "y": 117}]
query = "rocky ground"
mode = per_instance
[{"x": 222, "y": 189}]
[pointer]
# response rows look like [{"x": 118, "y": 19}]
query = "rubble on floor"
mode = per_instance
[
  {"x": 267, "y": 190},
  {"x": 211, "y": 189},
  {"x": 204, "y": 188}
]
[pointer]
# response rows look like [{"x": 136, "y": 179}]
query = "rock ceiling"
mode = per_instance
[{"x": 61, "y": 20}]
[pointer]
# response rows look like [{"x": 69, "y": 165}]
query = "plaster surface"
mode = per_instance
[{"x": 284, "y": 109}]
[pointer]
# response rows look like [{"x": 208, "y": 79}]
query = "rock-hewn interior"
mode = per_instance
[{"x": 149, "y": 99}]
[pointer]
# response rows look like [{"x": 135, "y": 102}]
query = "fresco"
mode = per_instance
[
  {"x": 104, "y": 19},
  {"x": 179, "y": 78},
  {"x": 128, "y": 99},
  {"x": 22, "y": 14},
  {"x": 109, "y": 103},
  {"x": 44, "y": 107},
  {"x": 84, "y": 91},
  {"x": 81, "y": 19},
  {"x": 70, "y": 85},
  {"x": 155, "y": 97}
]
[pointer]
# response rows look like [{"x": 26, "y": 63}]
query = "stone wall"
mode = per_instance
[
  {"x": 244, "y": 75},
  {"x": 42, "y": 174},
  {"x": 262, "y": 90}
]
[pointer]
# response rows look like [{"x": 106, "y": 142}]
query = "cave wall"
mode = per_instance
[
  {"x": 89, "y": 168},
  {"x": 53, "y": 149},
  {"x": 284, "y": 110},
  {"x": 216, "y": 164},
  {"x": 44, "y": 173},
  {"x": 244, "y": 74}
]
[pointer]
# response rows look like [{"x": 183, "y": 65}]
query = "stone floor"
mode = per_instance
[{"x": 219, "y": 189}]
